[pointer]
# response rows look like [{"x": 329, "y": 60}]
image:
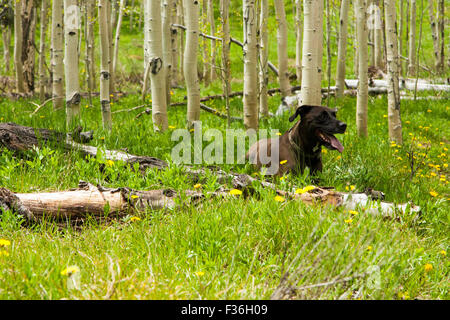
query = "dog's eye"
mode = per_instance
[{"x": 324, "y": 115}]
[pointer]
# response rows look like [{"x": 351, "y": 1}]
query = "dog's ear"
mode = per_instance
[{"x": 301, "y": 111}]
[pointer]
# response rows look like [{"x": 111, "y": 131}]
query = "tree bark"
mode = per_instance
[
  {"x": 412, "y": 40},
  {"x": 190, "y": 61},
  {"x": 28, "y": 44},
  {"x": 175, "y": 45},
  {"x": 299, "y": 39},
  {"x": 117, "y": 37},
  {"x": 110, "y": 26},
  {"x": 206, "y": 70},
  {"x": 362, "y": 97},
  {"x": 226, "y": 66},
  {"x": 394, "y": 120},
  {"x": 434, "y": 35},
  {"x": 263, "y": 59},
  {"x": 441, "y": 30},
  {"x": 90, "y": 45},
  {"x": 105, "y": 62},
  {"x": 57, "y": 54},
  {"x": 42, "y": 48},
  {"x": 156, "y": 63},
  {"x": 71, "y": 29},
  {"x": 342, "y": 48},
  {"x": 250, "y": 66},
  {"x": 212, "y": 25},
  {"x": 6, "y": 36},
  {"x": 312, "y": 52},
  {"x": 167, "y": 46},
  {"x": 401, "y": 36},
  {"x": 18, "y": 44},
  {"x": 283, "y": 72},
  {"x": 378, "y": 36}
]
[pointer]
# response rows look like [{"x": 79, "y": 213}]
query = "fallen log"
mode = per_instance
[
  {"x": 89, "y": 200},
  {"x": 407, "y": 84}
]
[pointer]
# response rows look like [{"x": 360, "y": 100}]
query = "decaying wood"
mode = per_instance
[{"x": 407, "y": 84}]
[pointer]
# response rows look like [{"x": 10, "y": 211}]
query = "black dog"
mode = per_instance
[{"x": 301, "y": 145}]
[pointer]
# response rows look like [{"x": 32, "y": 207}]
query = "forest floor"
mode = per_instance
[{"x": 236, "y": 248}]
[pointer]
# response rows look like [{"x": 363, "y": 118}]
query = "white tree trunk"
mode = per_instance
[
  {"x": 117, "y": 37},
  {"x": 57, "y": 54},
  {"x": 110, "y": 25},
  {"x": 250, "y": 66},
  {"x": 412, "y": 40},
  {"x": 205, "y": 44},
  {"x": 434, "y": 35},
  {"x": 298, "y": 39},
  {"x": 283, "y": 72},
  {"x": 212, "y": 25},
  {"x": 312, "y": 52},
  {"x": 42, "y": 48},
  {"x": 90, "y": 45},
  {"x": 190, "y": 60},
  {"x": 441, "y": 30},
  {"x": 175, "y": 44},
  {"x": 362, "y": 95},
  {"x": 105, "y": 62},
  {"x": 226, "y": 67},
  {"x": 378, "y": 36},
  {"x": 263, "y": 58},
  {"x": 342, "y": 48},
  {"x": 167, "y": 46},
  {"x": 180, "y": 20},
  {"x": 6, "y": 36},
  {"x": 157, "y": 72},
  {"x": 401, "y": 35},
  {"x": 394, "y": 120},
  {"x": 71, "y": 29},
  {"x": 18, "y": 43}
]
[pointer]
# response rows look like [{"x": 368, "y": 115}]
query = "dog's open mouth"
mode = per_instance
[{"x": 329, "y": 141}]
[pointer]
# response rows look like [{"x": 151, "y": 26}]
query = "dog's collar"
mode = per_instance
[{"x": 315, "y": 150}]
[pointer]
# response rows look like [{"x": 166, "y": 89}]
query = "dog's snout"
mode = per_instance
[{"x": 342, "y": 126}]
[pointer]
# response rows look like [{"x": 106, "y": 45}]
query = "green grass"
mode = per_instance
[{"x": 237, "y": 248}]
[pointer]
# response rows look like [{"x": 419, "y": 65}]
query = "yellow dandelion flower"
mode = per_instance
[
  {"x": 433, "y": 193},
  {"x": 353, "y": 212},
  {"x": 4, "y": 253},
  {"x": 407, "y": 122},
  {"x": 197, "y": 186},
  {"x": 445, "y": 165},
  {"x": 110, "y": 163},
  {"x": 283, "y": 161},
  {"x": 279, "y": 199},
  {"x": 385, "y": 116},
  {"x": 429, "y": 110},
  {"x": 4, "y": 243},
  {"x": 324, "y": 151},
  {"x": 134, "y": 196},
  {"x": 352, "y": 187},
  {"x": 70, "y": 271},
  {"x": 338, "y": 158},
  {"x": 399, "y": 158},
  {"x": 235, "y": 192},
  {"x": 428, "y": 267},
  {"x": 279, "y": 134},
  {"x": 348, "y": 221},
  {"x": 192, "y": 130},
  {"x": 133, "y": 219},
  {"x": 171, "y": 127},
  {"x": 443, "y": 253},
  {"x": 102, "y": 138},
  {"x": 369, "y": 248},
  {"x": 200, "y": 273},
  {"x": 42, "y": 117},
  {"x": 86, "y": 106},
  {"x": 433, "y": 174}
]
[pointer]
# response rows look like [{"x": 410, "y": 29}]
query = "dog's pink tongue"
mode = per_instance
[{"x": 336, "y": 143}]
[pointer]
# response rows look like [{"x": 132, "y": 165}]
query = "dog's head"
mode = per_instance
[{"x": 320, "y": 122}]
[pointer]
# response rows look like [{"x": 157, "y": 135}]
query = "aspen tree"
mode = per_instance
[
  {"x": 57, "y": 44},
  {"x": 18, "y": 46},
  {"x": 362, "y": 94},
  {"x": 250, "y": 66},
  {"x": 71, "y": 29},
  {"x": 298, "y": 39},
  {"x": 441, "y": 30},
  {"x": 6, "y": 36},
  {"x": 42, "y": 48},
  {"x": 394, "y": 120},
  {"x": 190, "y": 61},
  {"x": 434, "y": 35},
  {"x": 412, "y": 40},
  {"x": 90, "y": 46},
  {"x": 401, "y": 36},
  {"x": 117, "y": 37},
  {"x": 156, "y": 63},
  {"x": 110, "y": 26},
  {"x": 180, "y": 20},
  {"x": 312, "y": 52},
  {"x": 104, "y": 65},
  {"x": 377, "y": 35},
  {"x": 283, "y": 72},
  {"x": 342, "y": 48},
  {"x": 167, "y": 46},
  {"x": 174, "y": 38},
  {"x": 212, "y": 25},
  {"x": 206, "y": 71},
  {"x": 28, "y": 43},
  {"x": 263, "y": 59},
  {"x": 226, "y": 41}
]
